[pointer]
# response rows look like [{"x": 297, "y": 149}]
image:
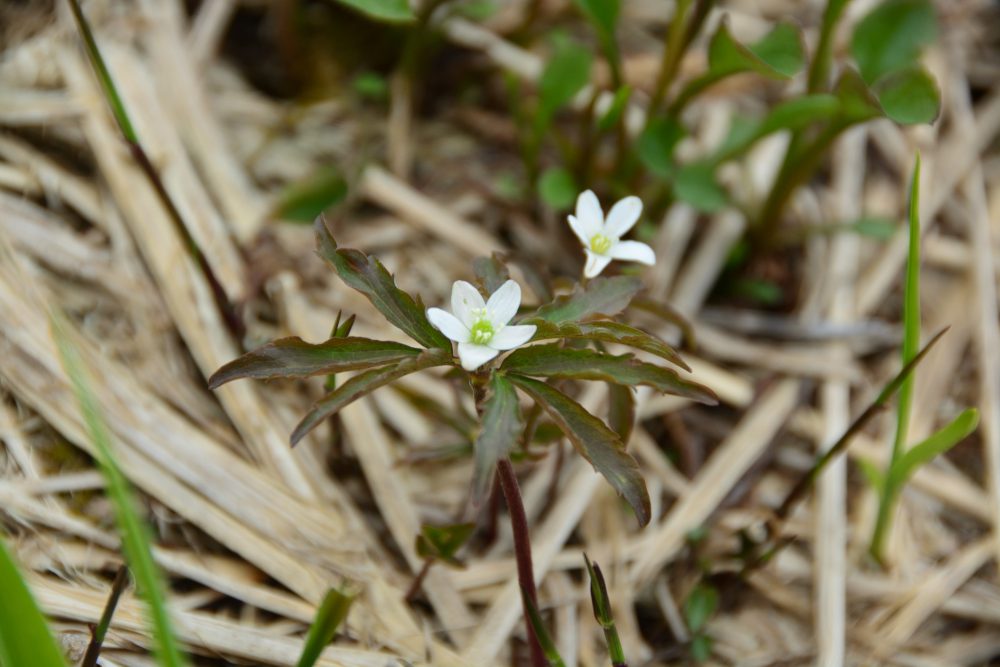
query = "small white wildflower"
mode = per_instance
[
  {"x": 480, "y": 327},
  {"x": 601, "y": 238}
]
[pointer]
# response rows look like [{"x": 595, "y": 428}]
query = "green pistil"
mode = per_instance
[
  {"x": 482, "y": 331},
  {"x": 600, "y": 243}
]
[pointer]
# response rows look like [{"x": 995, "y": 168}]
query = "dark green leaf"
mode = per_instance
[
  {"x": 701, "y": 603},
  {"x": 389, "y": 11},
  {"x": 781, "y": 49},
  {"x": 490, "y": 272},
  {"x": 614, "y": 112},
  {"x": 502, "y": 424},
  {"x": 544, "y": 638},
  {"x": 938, "y": 443},
  {"x": 362, "y": 384},
  {"x": 565, "y": 75},
  {"x": 655, "y": 146},
  {"x": 594, "y": 441},
  {"x": 599, "y": 593},
  {"x": 701, "y": 648},
  {"x": 602, "y": 296},
  {"x": 857, "y": 102},
  {"x": 368, "y": 276},
  {"x": 621, "y": 410},
  {"x": 695, "y": 184},
  {"x": 25, "y": 638},
  {"x": 778, "y": 55},
  {"x": 560, "y": 362},
  {"x": 293, "y": 357},
  {"x": 909, "y": 96},
  {"x": 607, "y": 331},
  {"x": 794, "y": 114},
  {"x": 342, "y": 329},
  {"x": 602, "y": 13},
  {"x": 557, "y": 188},
  {"x": 891, "y": 36},
  {"x": 331, "y": 613},
  {"x": 443, "y": 542},
  {"x": 303, "y": 201}
]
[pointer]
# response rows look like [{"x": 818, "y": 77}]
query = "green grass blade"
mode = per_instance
[
  {"x": 24, "y": 635},
  {"x": 331, "y": 613},
  {"x": 936, "y": 444},
  {"x": 134, "y": 533}
]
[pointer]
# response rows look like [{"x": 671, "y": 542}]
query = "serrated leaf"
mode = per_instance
[
  {"x": 778, "y": 55},
  {"x": 364, "y": 383},
  {"x": 594, "y": 441},
  {"x": 25, "y": 638},
  {"x": 617, "y": 107},
  {"x": 695, "y": 184},
  {"x": 557, "y": 188},
  {"x": 388, "y": 11},
  {"x": 699, "y": 606},
  {"x": 502, "y": 425},
  {"x": 909, "y": 96},
  {"x": 490, "y": 272},
  {"x": 293, "y": 357},
  {"x": 330, "y": 614},
  {"x": 621, "y": 410},
  {"x": 607, "y": 331},
  {"x": 655, "y": 146},
  {"x": 565, "y": 75},
  {"x": 303, "y": 201},
  {"x": 368, "y": 276},
  {"x": 938, "y": 443},
  {"x": 891, "y": 36},
  {"x": 601, "y": 296},
  {"x": 443, "y": 542},
  {"x": 560, "y": 362}
]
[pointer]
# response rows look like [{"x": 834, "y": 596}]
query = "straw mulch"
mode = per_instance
[{"x": 251, "y": 533}]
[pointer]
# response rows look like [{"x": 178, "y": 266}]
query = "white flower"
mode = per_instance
[
  {"x": 601, "y": 238},
  {"x": 480, "y": 328}
]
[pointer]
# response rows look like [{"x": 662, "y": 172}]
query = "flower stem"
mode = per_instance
[
  {"x": 522, "y": 551},
  {"x": 418, "y": 581}
]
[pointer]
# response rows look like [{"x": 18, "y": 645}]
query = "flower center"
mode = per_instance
[
  {"x": 600, "y": 243},
  {"x": 482, "y": 331}
]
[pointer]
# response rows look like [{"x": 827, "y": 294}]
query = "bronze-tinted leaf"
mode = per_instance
[
  {"x": 502, "y": 426},
  {"x": 602, "y": 296},
  {"x": 594, "y": 441},
  {"x": 607, "y": 331},
  {"x": 293, "y": 357}
]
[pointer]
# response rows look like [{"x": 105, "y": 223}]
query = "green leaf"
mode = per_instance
[
  {"x": 615, "y": 110},
  {"x": 293, "y": 357},
  {"x": 701, "y": 648},
  {"x": 565, "y": 75},
  {"x": 601, "y": 296},
  {"x": 557, "y": 188},
  {"x": 303, "y": 201},
  {"x": 699, "y": 606},
  {"x": 875, "y": 227},
  {"x": 874, "y": 476},
  {"x": 857, "y": 102},
  {"x": 621, "y": 410},
  {"x": 594, "y": 441},
  {"x": 909, "y": 96},
  {"x": 655, "y": 146},
  {"x": 502, "y": 424},
  {"x": 372, "y": 86},
  {"x": 541, "y": 632},
  {"x": 490, "y": 272},
  {"x": 368, "y": 276},
  {"x": 388, "y": 11},
  {"x": 602, "y": 13},
  {"x": 364, "y": 383},
  {"x": 938, "y": 443},
  {"x": 778, "y": 55},
  {"x": 25, "y": 638},
  {"x": 331, "y": 613},
  {"x": 135, "y": 535},
  {"x": 561, "y": 362},
  {"x": 891, "y": 36},
  {"x": 695, "y": 184},
  {"x": 443, "y": 542},
  {"x": 607, "y": 331}
]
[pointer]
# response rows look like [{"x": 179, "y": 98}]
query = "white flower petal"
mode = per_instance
[
  {"x": 503, "y": 303},
  {"x": 595, "y": 264},
  {"x": 589, "y": 216},
  {"x": 622, "y": 217},
  {"x": 473, "y": 356},
  {"x": 632, "y": 251},
  {"x": 513, "y": 336},
  {"x": 448, "y": 324},
  {"x": 465, "y": 300},
  {"x": 578, "y": 229}
]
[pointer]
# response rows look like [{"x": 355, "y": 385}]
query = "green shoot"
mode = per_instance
[
  {"x": 25, "y": 638},
  {"x": 331, "y": 613},
  {"x": 602, "y": 612}
]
